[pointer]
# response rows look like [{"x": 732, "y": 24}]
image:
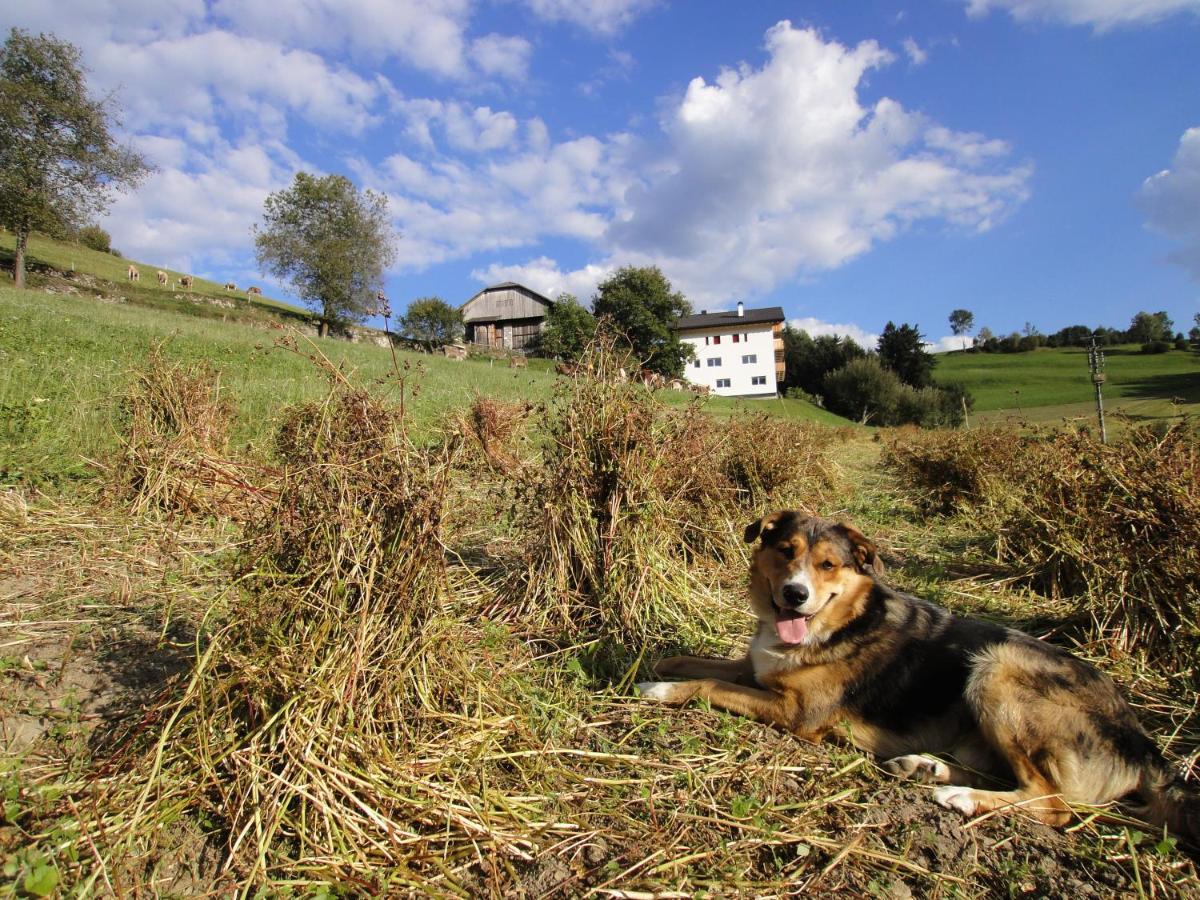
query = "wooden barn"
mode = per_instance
[{"x": 505, "y": 316}]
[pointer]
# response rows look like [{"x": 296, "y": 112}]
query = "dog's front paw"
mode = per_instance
[
  {"x": 664, "y": 691},
  {"x": 956, "y": 797},
  {"x": 918, "y": 767}
]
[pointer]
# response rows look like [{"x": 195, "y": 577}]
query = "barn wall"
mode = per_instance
[{"x": 506, "y": 303}]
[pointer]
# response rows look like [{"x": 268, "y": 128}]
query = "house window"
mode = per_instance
[
  {"x": 735, "y": 338},
  {"x": 696, "y": 364},
  {"x": 714, "y": 361},
  {"x": 749, "y": 359},
  {"x": 745, "y": 337},
  {"x": 759, "y": 379},
  {"x": 722, "y": 382},
  {"x": 706, "y": 340},
  {"x": 716, "y": 338}
]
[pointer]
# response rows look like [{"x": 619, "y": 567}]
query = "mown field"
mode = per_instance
[
  {"x": 1053, "y": 384},
  {"x": 339, "y": 650}
]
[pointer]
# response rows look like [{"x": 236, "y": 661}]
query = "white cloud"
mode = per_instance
[
  {"x": 1170, "y": 201},
  {"x": 1100, "y": 14},
  {"x": 605, "y": 17},
  {"x": 913, "y": 51},
  {"x": 815, "y": 327},
  {"x": 780, "y": 169},
  {"x": 200, "y": 206},
  {"x": 543, "y": 275},
  {"x": 502, "y": 55},
  {"x": 477, "y": 129},
  {"x": 216, "y": 74}
]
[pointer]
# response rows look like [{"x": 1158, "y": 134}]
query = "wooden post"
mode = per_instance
[{"x": 1096, "y": 367}]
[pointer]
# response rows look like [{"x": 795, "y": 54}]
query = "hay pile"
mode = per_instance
[
  {"x": 175, "y": 425},
  {"x": 1117, "y": 527}
]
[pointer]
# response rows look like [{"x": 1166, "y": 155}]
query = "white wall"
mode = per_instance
[{"x": 753, "y": 340}]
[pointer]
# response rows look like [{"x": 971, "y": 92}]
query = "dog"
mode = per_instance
[{"x": 839, "y": 653}]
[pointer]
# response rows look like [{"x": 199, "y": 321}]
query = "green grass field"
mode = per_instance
[
  {"x": 66, "y": 359},
  {"x": 1051, "y": 384}
]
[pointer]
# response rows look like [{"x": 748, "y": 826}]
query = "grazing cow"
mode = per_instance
[
  {"x": 701, "y": 388},
  {"x": 186, "y": 281},
  {"x": 566, "y": 368},
  {"x": 454, "y": 351},
  {"x": 132, "y": 273},
  {"x": 518, "y": 362},
  {"x": 162, "y": 278},
  {"x": 676, "y": 384},
  {"x": 253, "y": 292},
  {"x": 650, "y": 379},
  {"x": 230, "y": 286}
]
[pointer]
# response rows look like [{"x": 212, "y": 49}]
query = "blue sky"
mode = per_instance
[{"x": 1030, "y": 160}]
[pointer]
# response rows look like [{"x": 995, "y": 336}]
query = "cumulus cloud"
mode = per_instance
[
  {"x": 1170, "y": 201},
  {"x": 197, "y": 209},
  {"x": 781, "y": 169},
  {"x": 543, "y": 275},
  {"x": 605, "y": 17},
  {"x": 1100, "y": 14},
  {"x": 816, "y": 328},
  {"x": 913, "y": 51}
]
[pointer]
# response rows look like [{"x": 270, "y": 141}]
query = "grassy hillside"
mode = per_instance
[
  {"x": 1049, "y": 384},
  {"x": 66, "y": 361}
]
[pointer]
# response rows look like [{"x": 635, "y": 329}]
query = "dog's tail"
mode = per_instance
[{"x": 1170, "y": 801}]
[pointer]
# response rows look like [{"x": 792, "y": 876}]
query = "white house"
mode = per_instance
[{"x": 739, "y": 353}]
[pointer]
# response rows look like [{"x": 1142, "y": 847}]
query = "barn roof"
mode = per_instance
[
  {"x": 766, "y": 314},
  {"x": 507, "y": 285}
]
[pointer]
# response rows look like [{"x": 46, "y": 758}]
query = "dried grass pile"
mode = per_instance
[
  {"x": 770, "y": 462},
  {"x": 1116, "y": 526},
  {"x": 316, "y": 726},
  {"x": 491, "y": 429},
  {"x": 175, "y": 426},
  {"x": 951, "y": 471}
]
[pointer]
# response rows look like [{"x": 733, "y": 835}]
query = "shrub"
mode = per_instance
[
  {"x": 95, "y": 238},
  {"x": 864, "y": 391},
  {"x": 1152, "y": 347}
]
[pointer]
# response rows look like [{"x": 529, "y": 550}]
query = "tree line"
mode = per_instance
[{"x": 1154, "y": 331}]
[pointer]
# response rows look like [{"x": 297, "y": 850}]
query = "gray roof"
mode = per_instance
[
  {"x": 505, "y": 285},
  {"x": 730, "y": 318}
]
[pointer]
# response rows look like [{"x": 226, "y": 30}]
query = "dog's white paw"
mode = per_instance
[
  {"x": 956, "y": 797},
  {"x": 657, "y": 690},
  {"x": 918, "y": 767}
]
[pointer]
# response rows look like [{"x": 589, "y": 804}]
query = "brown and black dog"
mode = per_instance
[{"x": 838, "y": 652}]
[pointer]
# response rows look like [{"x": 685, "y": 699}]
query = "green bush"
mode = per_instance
[{"x": 95, "y": 238}]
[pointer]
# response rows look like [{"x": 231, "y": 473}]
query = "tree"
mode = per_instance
[
  {"x": 1149, "y": 327},
  {"x": 638, "y": 304},
  {"x": 331, "y": 241},
  {"x": 95, "y": 238},
  {"x": 961, "y": 322},
  {"x": 59, "y": 162},
  {"x": 569, "y": 328},
  {"x": 903, "y": 351},
  {"x": 431, "y": 322},
  {"x": 808, "y": 360},
  {"x": 1194, "y": 332}
]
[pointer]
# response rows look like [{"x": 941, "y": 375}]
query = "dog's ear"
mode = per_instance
[
  {"x": 865, "y": 553},
  {"x": 759, "y": 526}
]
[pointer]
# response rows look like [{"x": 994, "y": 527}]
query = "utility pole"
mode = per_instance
[{"x": 1096, "y": 367}]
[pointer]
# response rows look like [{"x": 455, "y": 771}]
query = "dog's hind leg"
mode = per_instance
[{"x": 925, "y": 769}]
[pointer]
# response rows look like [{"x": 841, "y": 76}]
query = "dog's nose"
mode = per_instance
[{"x": 794, "y": 594}]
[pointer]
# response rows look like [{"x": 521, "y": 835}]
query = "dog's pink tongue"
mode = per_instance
[{"x": 792, "y": 626}]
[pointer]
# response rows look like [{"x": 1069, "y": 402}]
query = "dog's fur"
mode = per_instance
[{"x": 838, "y": 652}]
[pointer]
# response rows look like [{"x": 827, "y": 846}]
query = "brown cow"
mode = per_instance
[
  {"x": 186, "y": 281},
  {"x": 566, "y": 368},
  {"x": 518, "y": 362},
  {"x": 253, "y": 292},
  {"x": 162, "y": 277},
  {"x": 132, "y": 273},
  {"x": 230, "y": 286}
]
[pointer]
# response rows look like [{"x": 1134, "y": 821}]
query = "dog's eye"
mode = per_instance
[
  {"x": 788, "y": 551},
  {"x": 827, "y": 565}
]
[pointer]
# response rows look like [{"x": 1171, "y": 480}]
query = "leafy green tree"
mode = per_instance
[
  {"x": 59, "y": 162},
  {"x": 1149, "y": 327},
  {"x": 569, "y": 328},
  {"x": 431, "y": 322},
  {"x": 902, "y": 350},
  {"x": 864, "y": 391},
  {"x": 1194, "y": 332},
  {"x": 638, "y": 304},
  {"x": 961, "y": 322},
  {"x": 807, "y": 360},
  {"x": 331, "y": 241}
]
